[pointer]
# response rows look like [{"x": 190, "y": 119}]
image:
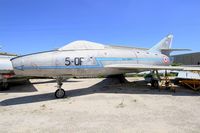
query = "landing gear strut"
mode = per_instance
[
  {"x": 4, "y": 85},
  {"x": 155, "y": 78},
  {"x": 60, "y": 93}
]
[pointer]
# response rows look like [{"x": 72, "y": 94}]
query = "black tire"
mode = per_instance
[
  {"x": 155, "y": 84},
  {"x": 60, "y": 93}
]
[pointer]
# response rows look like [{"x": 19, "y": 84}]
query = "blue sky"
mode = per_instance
[{"x": 28, "y": 26}]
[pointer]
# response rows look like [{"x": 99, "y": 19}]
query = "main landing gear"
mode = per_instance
[
  {"x": 155, "y": 80},
  {"x": 164, "y": 82},
  {"x": 60, "y": 93}
]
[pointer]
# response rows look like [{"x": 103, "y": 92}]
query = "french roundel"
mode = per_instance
[{"x": 165, "y": 59}]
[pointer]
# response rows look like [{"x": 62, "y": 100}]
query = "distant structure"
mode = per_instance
[{"x": 187, "y": 59}]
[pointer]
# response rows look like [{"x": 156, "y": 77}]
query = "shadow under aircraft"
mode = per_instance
[{"x": 105, "y": 86}]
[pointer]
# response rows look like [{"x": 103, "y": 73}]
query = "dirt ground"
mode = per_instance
[{"x": 98, "y": 106}]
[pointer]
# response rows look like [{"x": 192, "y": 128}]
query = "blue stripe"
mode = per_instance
[
  {"x": 98, "y": 65},
  {"x": 127, "y": 59}
]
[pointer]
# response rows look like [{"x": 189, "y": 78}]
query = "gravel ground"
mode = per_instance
[{"x": 98, "y": 106}]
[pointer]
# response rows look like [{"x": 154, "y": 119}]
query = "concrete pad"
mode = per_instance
[{"x": 98, "y": 105}]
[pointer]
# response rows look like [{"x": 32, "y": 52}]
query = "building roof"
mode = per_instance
[{"x": 187, "y": 54}]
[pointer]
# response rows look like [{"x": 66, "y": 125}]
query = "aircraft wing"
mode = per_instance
[{"x": 141, "y": 67}]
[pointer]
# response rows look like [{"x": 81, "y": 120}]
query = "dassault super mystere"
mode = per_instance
[
  {"x": 6, "y": 69},
  {"x": 84, "y": 58}
]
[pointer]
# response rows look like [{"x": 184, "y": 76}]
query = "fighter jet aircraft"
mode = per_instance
[
  {"x": 7, "y": 75},
  {"x": 84, "y": 58},
  {"x": 6, "y": 69}
]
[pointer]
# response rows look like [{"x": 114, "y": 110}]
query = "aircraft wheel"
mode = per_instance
[
  {"x": 60, "y": 93},
  {"x": 155, "y": 84}
]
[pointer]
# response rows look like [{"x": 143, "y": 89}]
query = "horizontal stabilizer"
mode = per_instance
[{"x": 168, "y": 51}]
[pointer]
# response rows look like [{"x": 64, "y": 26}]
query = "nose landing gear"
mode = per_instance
[{"x": 60, "y": 93}]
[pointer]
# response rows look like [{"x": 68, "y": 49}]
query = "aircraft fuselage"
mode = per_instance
[{"x": 84, "y": 62}]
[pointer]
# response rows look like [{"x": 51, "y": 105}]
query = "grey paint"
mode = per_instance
[{"x": 93, "y": 60}]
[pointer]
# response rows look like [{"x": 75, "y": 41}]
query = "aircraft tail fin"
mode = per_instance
[
  {"x": 164, "y": 46},
  {"x": 165, "y": 43}
]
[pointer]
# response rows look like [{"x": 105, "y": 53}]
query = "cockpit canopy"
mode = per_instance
[{"x": 82, "y": 45}]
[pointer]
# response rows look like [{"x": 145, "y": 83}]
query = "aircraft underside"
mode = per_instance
[{"x": 77, "y": 72}]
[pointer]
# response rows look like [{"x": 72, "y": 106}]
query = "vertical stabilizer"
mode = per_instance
[{"x": 165, "y": 43}]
